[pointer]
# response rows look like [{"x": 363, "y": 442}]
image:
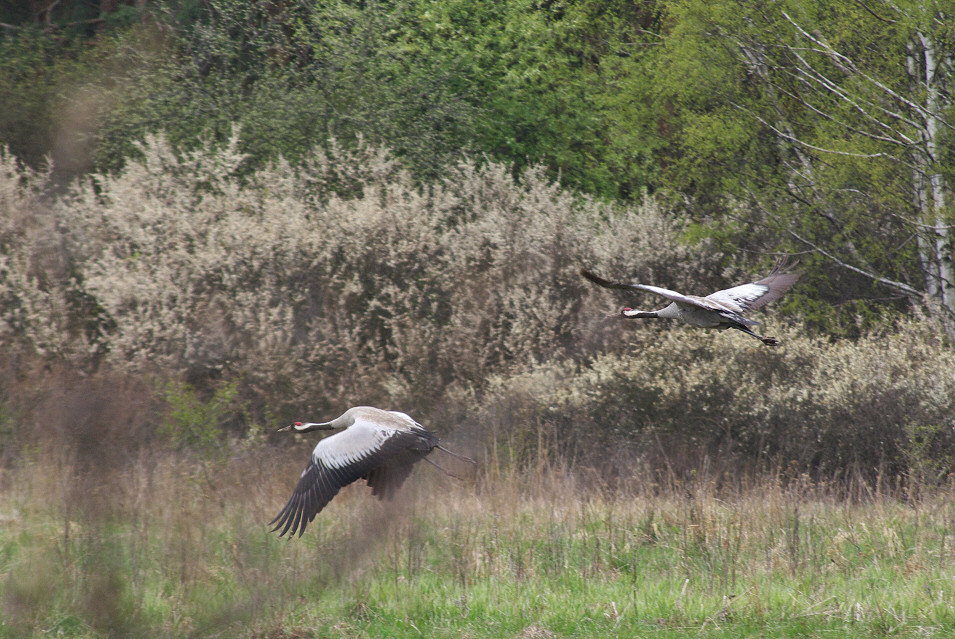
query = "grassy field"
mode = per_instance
[{"x": 171, "y": 546}]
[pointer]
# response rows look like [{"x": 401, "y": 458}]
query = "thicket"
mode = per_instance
[
  {"x": 838, "y": 149},
  {"x": 229, "y": 301},
  {"x": 337, "y": 278}
]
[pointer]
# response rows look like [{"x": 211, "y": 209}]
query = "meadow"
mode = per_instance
[{"x": 177, "y": 546}]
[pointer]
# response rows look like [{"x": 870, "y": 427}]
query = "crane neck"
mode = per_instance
[
  {"x": 629, "y": 312},
  {"x": 306, "y": 427},
  {"x": 344, "y": 420}
]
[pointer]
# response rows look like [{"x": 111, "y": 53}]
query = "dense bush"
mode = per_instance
[
  {"x": 333, "y": 283},
  {"x": 296, "y": 292},
  {"x": 879, "y": 407}
]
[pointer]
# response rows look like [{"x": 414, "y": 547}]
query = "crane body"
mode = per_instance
[
  {"x": 720, "y": 310},
  {"x": 376, "y": 445}
]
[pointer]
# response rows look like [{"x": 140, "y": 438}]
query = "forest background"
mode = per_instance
[{"x": 221, "y": 216}]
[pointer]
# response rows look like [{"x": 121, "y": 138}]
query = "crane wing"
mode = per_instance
[
  {"x": 381, "y": 455},
  {"x": 599, "y": 281},
  {"x": 757, "y": 294},
  {"x": 673, "y": 296},
  {"x": 623, "y": 286}
]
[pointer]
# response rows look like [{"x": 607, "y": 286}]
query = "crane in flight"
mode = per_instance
[
  {"x": 720, "y": 310},
  {"x": 379, "y": 446}
]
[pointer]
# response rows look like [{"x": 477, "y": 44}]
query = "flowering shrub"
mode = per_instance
[
  {"x": 310, "y": 289},
  {"x": 338, "y": 282}
]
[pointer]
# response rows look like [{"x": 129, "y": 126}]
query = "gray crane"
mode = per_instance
[
  {"x": 379, "y": 446},
  {"x": 720, "y": 310}
]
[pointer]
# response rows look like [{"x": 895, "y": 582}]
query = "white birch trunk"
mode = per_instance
[
  {"x": 920, "y": 192},
  {"x": 935, "y": 215}
]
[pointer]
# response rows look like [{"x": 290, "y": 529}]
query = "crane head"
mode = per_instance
[{"x": 631, "y": 312}]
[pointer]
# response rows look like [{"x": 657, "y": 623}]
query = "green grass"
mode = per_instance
[{"x": 176, "y": 547}]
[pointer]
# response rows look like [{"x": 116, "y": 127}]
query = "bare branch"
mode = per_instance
[
  {"x": 811, "y": 72},
  {"x": 793, "y": 138},
  {"x": 806, "y": 72},
  {"x": 900, "y": 286},
  {"x": 851, "y": 67},
  {"x": 874, "y": 14},
  {"x": 904, "y": 142}
]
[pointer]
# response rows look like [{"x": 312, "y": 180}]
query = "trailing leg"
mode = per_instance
[{"x": 769, "y": 341}]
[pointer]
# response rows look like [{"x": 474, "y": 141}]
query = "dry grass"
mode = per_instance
[{"x": 176, "y": 546}]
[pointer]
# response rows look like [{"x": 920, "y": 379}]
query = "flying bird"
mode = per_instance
[
  {"x": 379, "y": 446},
  {"x": 722, "y": 309}
]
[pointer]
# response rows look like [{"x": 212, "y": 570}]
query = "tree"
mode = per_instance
[{"x": 856, "y": 101}]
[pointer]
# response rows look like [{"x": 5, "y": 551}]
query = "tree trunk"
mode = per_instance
[{"x": 934, "y": 211}]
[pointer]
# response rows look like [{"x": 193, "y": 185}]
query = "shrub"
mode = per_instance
[
  {"x": 301, "y": 291},
  {"x": 193, "y": 423},
  {"x": 36, "y": 289},
  {"x": 343, "y": 281},
  {"x": 842, "y": 410}
]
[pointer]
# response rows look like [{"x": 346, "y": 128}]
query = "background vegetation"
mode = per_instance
[{"x": 217, "y": 217}]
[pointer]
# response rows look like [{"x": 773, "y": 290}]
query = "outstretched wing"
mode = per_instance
[
  {"x": 315, "y": 488},
  {"x": 757, "y": 294},
  {"x": 383, "y": 456},
  {"x": 673, "y": 296}
]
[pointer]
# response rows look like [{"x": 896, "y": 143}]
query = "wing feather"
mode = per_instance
[
  {"x": 345, "y": 457},
  {"x": 735, "y": 300},
  {"x": 673, "y": 296},
  {"x": 761, "y": 292}
]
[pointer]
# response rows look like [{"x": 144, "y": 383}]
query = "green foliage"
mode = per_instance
[
  {"x": 561, "y": 85},
  {"x": 195, "y": 423},
  {"x": 59, "y": 85},
  {"x": 798, "y": 146},
  {"x": 32, "y": 66}
]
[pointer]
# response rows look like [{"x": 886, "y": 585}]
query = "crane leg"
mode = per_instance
[
  {"x": 443, "y": 470},
  {"x": 454, "y": 454},
  {"x": 769, "y": 341}
]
